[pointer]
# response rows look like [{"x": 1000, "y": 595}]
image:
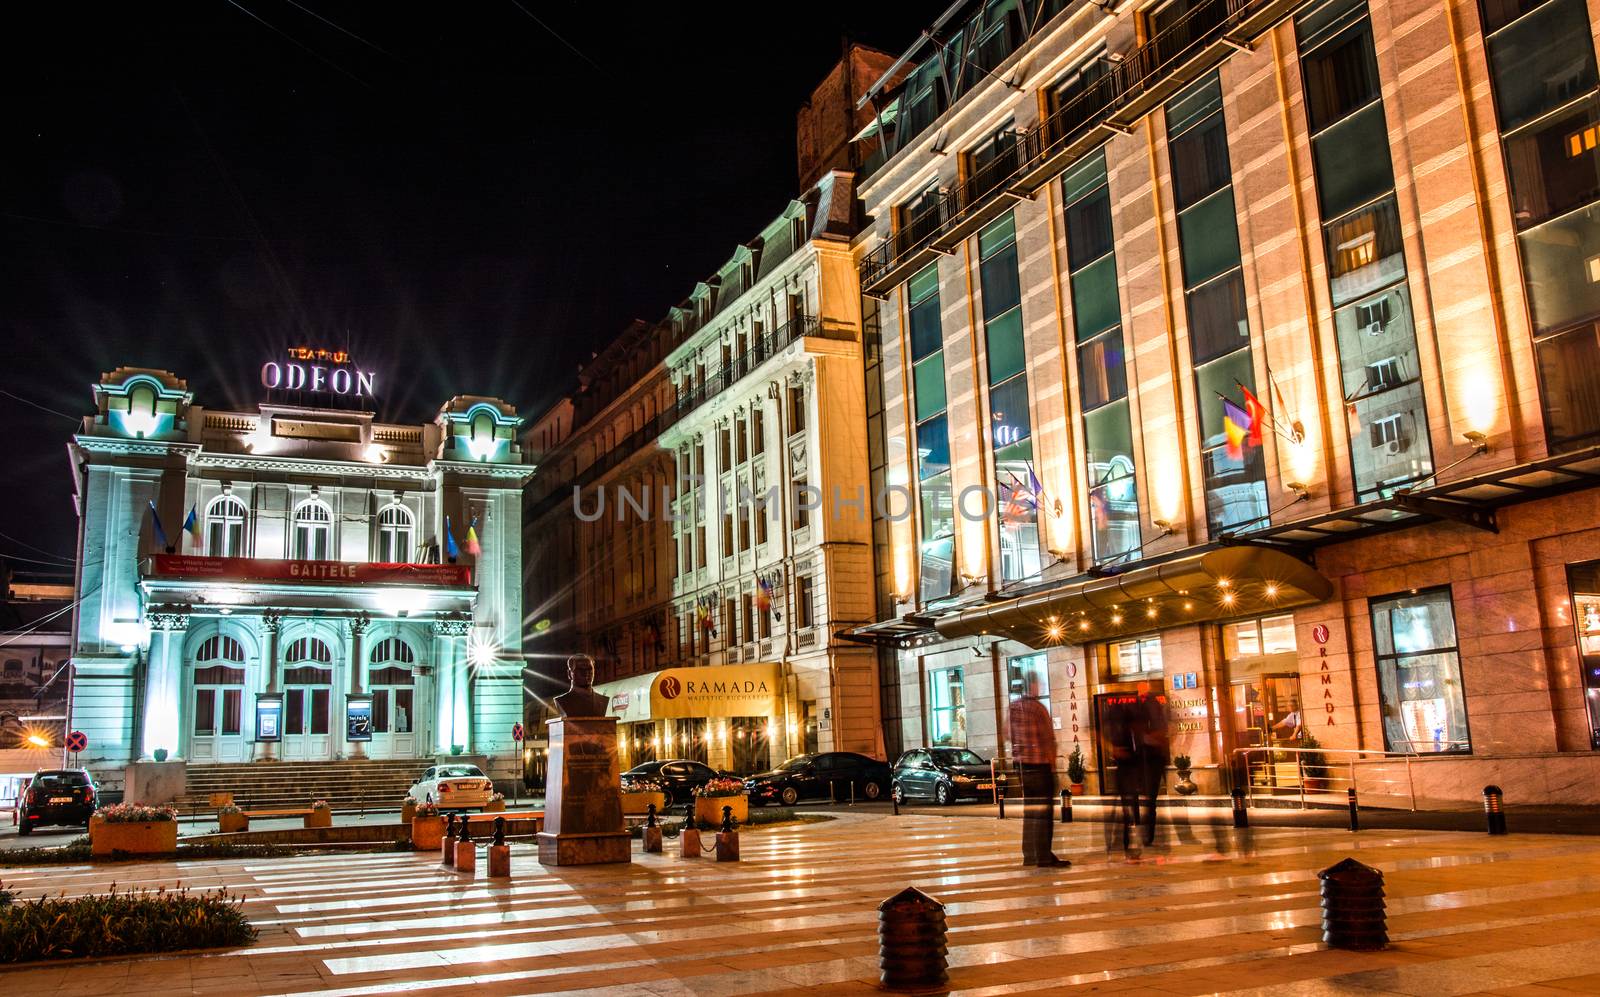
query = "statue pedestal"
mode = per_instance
[{"x": 583, "y": 796}]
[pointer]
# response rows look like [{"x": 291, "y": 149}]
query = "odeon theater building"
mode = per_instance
[{"x": 298, "y": 583}]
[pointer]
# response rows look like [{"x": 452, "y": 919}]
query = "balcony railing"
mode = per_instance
[{"x": 1127, "y": 90}]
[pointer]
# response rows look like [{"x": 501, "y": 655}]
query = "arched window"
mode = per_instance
[
  {"x": 308, "y": 655},
  {"x": 218, "y": 677},
  {"x": 393, "y": 649},
  {"x": 394, "y": 534},
  {"x": 313, "y": 531},
  {"x": 220, "y": 648},
  {"x": 225, "y": 519},
  {"x": 390, "y": 681},
  {"x": 309, "y": 649}
]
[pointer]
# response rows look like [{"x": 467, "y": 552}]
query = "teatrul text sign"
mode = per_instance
[
  {"x": 245, "y": 569},
  {"x": 319, "y": 370}
]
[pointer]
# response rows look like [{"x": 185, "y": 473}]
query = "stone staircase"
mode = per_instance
[{"x": 346, "y": 785}]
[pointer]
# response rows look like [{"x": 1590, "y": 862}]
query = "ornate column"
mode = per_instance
[
  {"x": 271, "y": 624},
  {"x": 450, "y": 684},
  {"x": 163, "y": 682},
  {"x": 358, "y": 674}
]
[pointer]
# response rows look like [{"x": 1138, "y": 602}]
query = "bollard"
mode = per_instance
[
  {"x": 1000, "y": 799},
  {"x": 727, "y": 838},
  {"x": 447, "y": 846},
  {"x": 466, "y": 851},
  {"x": 852, "y": 792},
  {"x": 652, "y": 832},
  {"x": 1066, "y": 806},
  {"x": 499, "y": 852},
  {"x": 1494, "y": 802},
  {"x": 689, "y": 840},
  {"x": 1352, "y": 906},
  {"x": 1355, "y": 813},
  {"x": 911, "y": 941},
  {"x": 1241, "y": 817}
]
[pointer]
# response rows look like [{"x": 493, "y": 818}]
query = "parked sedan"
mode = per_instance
[
  {"x": 828, "y": 775},
  {"x": 57, "y": 796},
  {"x": 677, "y": 777},
  {"x": 453, "y": 787},
  {"x": 942, "y": 775}
]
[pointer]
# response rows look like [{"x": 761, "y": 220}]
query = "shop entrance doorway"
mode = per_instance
[{"x": 1266, "y": 714}]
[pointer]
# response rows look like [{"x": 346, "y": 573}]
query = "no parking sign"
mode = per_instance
[{"x": 77, "y": 741}]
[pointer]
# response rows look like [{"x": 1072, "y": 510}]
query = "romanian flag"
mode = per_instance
[
  {"x": 161, "y": 533},
  {"x": 1236, "y": 427},
  {"x": 1257, "y": 413},
  {"x": 473, "y": 547},
  {"x": 450, "y": 550},
  {"x": 763, "y": 594},
  {"x": 191, "y": 526}
]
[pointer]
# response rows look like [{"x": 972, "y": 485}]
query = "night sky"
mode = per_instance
[{"x": 469, "y": 197}]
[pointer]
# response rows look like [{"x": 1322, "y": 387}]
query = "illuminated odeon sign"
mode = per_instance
[{"x": 303, "y": 372}]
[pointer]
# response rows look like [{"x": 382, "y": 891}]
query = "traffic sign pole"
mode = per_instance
[{"x": 521, "y": 766}]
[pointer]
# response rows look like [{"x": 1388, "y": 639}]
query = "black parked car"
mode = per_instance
[
  {"x": 942, "y": 775},
  {"x": 57, "y": 796},
  {"x": 829, "y": 775},
  {"x": 678, "y": 777}
]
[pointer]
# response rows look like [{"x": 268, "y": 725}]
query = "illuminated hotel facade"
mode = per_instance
[
  {"x": 317, "y": 610},
  {"x": 1374, "y": 229}
]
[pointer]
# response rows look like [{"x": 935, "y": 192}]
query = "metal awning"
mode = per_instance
[{"x": 1212, "y": 585}]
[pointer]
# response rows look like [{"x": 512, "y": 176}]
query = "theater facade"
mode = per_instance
[{"x": 295, "y": 583}]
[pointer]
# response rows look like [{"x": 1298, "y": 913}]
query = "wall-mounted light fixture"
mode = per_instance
[
  {"x": 1480, "y": 442},
  {"x": 1164, "y": 526}
]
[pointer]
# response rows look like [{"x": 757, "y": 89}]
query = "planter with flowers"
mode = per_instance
[
  {"x": 496, "y": 804},
  {"x": 638, "y": 794},
  {"x": 408, "y": 810},
  {"x": 427, "y": 828},
  {"x": 133, "y": 829},
  {"x": 321, "y": 815},
  {"x": 230, "y": 819},
  {"x": 716, "y": 794}
]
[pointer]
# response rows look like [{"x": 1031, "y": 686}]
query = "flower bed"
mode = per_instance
[
  {"x": 427, "y": 828},
  {"x": 231, "y": 819},
  {"x": 321, "y": 815},
  {"x": 636, "y": 801},
  {"x": 133, "y": 829},
  {"x": 120, "y": 924},
  {"x": 718, "y": 793}
]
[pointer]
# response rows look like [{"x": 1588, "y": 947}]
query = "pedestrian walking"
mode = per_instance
[{"x": 1033, "y": 749}]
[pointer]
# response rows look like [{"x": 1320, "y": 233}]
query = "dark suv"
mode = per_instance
[
  {"x": 837, "y": 775},
  {"x": 57, "y": 796}
]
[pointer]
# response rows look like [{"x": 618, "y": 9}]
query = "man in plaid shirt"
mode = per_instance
[{"x": 1033, "y": 749}]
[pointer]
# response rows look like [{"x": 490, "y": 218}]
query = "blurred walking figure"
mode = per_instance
[
  {"x": 1033, "y": 748},
  {"x": 1152, "y": 748}
]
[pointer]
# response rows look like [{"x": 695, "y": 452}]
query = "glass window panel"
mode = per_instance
[
  {"x": 1569, "y": 375},
  {"x": 231, "y": 700},
  {"x": 319, "y": 711},
  {"x": 933, "y": 447},
  {"x": 294, "y": 711},
  {"x": 1365, "y": 251},
  {"x": 997, "y": 235},
  {"x": 1277, "y": 634},
  {"x": 1499, "y": 13},
  {"x": 1210, "y": 236},
  {"x": 926, "y": 335},
  {"x": 1377, "y": 347},
  {"x": 947, "y": 708},
  {"x": 1113, "y": 497},
  {"x": 1108, "y": 438},
  {"x": 1200, "y": 162},
  {"x": 1419, "y": 673},
  {"x": 1352, "y": 161},
  {"x": 924, "y": 283},
  {"x": 1089, "y": 173},
  {"x": 1194, "y": 105},
  {"x": 1102, "y": 370},
  {"x": 1555, "y": 164},
  {"x": 1022, "y": 670},
  {"x": 1003, "y": 335},
  {"x": 1389, "y": 443},
  {"x": 929, "y": 378},
  {"x": 1561, "y": 264},
  {"x": 1341, "y": 73},
  {"x": 1217, "y": 320},
  {"x": 205, "y": 712},
  {"x": 1236, "y": 491},
  {"x": 1220, "y": 377},
  {"x": 1008, "y": 410},
  {"x": 997, "y": 276},
  {"x": 1542, "y": 61},
  {"x": 1241, "y": 640},
  {"x": 1018, "y": 508},
  {"x": 1095, "y": 306},
  {"x": 1089, "y": 228},
  {"x": 380, "y": 711}
]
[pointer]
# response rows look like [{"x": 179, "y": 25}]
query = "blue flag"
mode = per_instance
[
  {"x": 161, "y": 534},
  {"x": 450, "y": 548}
]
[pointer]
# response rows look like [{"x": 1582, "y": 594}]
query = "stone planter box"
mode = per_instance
[
  {"x": 709, "y": 808},
  {"x": 427, "y": 833},
  {"x": 319, "y": 818},
  {"x": 639, "y": 803},
  {"x": 495, "y": 807},
  {"x": 156, "y": 837},
  {"x": 408, "y": 811},
  {"x": 229, "y": 823}
]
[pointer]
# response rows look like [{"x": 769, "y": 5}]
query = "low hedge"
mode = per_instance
[
  {"x": 128, "y": 923},
  {"x": 77, "y": 850},
  {"x": 758, "y": 816}
]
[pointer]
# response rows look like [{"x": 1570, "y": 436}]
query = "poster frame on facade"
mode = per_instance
[
  {"x": 358, "y": 718},
  {"x": 269, "y": 716}
]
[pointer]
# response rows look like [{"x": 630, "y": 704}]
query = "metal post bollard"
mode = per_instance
[
  {"x": 1000, "y": 800},
  {"x": 727, "y": 838},
  {"x": 1355, "y": 811},
  {"x": 466, "y": 851},
  {"x": 894, "y": 801},
  {"x": 1494, "y": 809},
  {"x": 447, "y": 845},
  {"x": 852, "y": 792},
  {"x": 1352, "y": 906},
  {"x": 1241, "y": 816},
  {"x": 652, "y": 831},
  {"x": 499, "y": 852},
  {"x": 911, "y": 941},
  {"x": 1066, "y": 805}
]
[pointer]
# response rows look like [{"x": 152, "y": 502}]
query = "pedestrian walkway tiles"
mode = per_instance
[{"x": 1220, "y": 911}]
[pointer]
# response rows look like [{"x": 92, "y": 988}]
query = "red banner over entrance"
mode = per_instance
[{"x": 252, "y": 569}]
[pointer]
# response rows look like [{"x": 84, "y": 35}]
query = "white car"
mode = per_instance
[{"x": 453, "y": 787}]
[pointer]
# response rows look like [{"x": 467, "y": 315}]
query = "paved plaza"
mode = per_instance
[{"x": 1224, "y": 911}]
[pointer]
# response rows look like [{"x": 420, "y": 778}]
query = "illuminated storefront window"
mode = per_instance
[
  {"x": 1136, "y": 659},
  {"x": 1424, "y": 706},
  {"x": 1584, "y": 582},
  {"x": 947, "y": 707}
]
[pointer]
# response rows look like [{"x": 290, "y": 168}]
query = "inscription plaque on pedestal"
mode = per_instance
[{"x": 583, "y": 796}]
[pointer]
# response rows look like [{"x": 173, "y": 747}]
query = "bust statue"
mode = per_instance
[{"x": 580, "y": 699}]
